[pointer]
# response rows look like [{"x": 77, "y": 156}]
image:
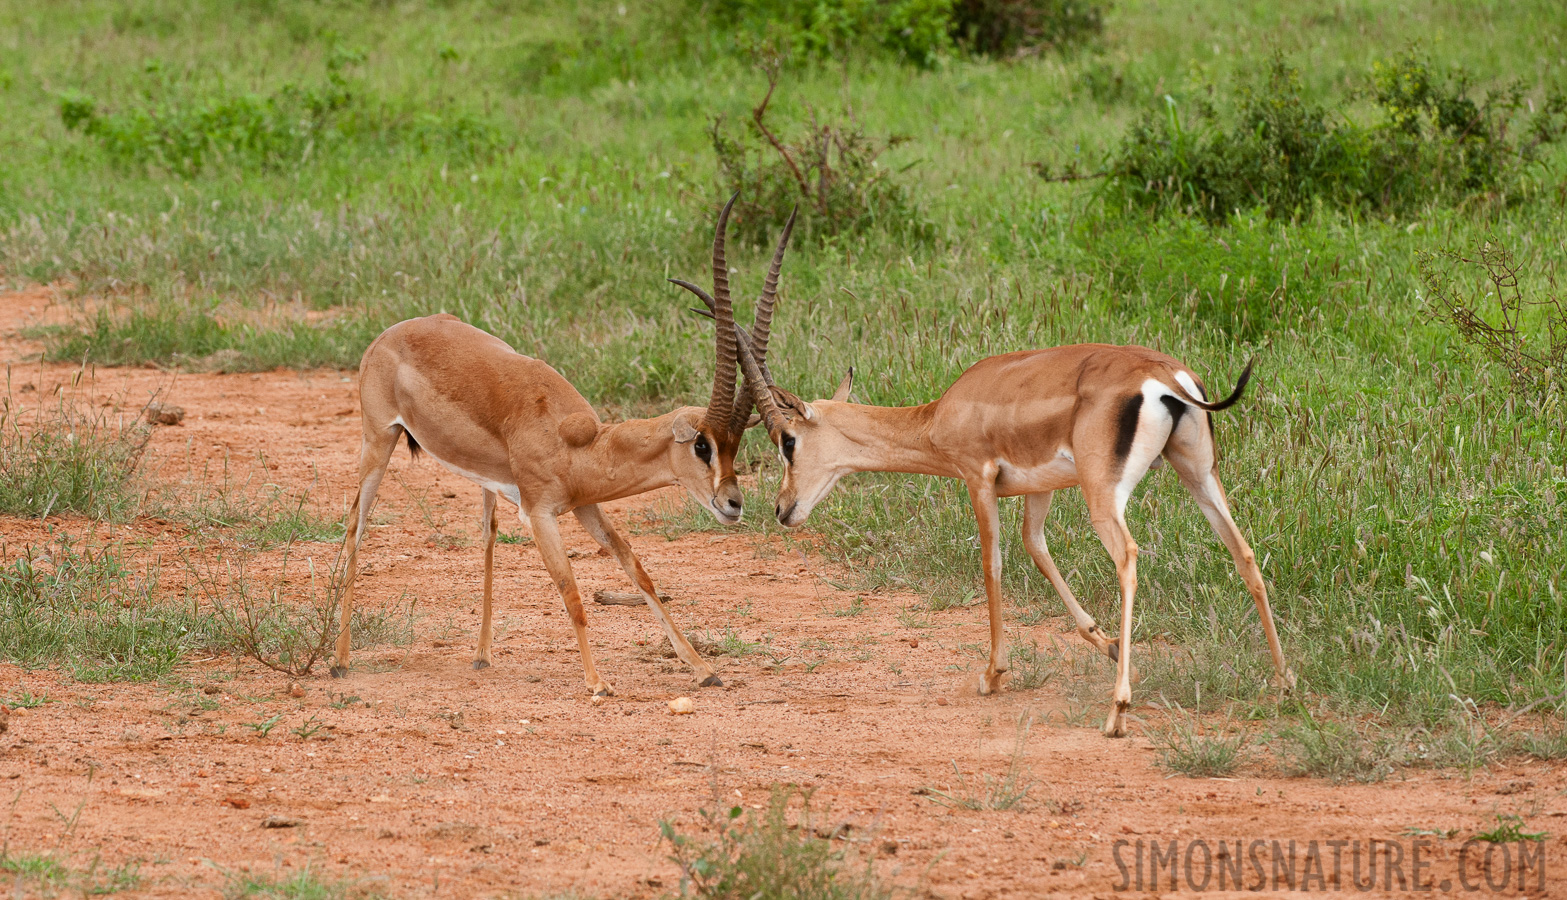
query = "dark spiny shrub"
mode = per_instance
[{"x": 830, "y": 170}]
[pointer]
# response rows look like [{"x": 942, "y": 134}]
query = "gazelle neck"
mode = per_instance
[
  {"x": 884, "y": 438},
  {"x": 630, "y": 457}
]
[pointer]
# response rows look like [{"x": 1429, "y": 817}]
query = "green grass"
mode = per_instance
[
  {"x": 306, "y": 884},
  {"x": 79, "y": 606},
  {"x": 67, "y": 455},
  {"x": 1184, "y": 748},
  {"x": 50, "y": 875},
  {"x": 540, "y": 170}
]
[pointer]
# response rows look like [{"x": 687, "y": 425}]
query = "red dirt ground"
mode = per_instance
[{"x": 453, "y": 783}]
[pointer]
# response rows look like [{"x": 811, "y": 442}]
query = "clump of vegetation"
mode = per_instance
[
  {"x": 1184, "y": 748},
  {"x": 50, "y": 874},
  {"x": 67, "y": 456},
  {"x": 918, "y": 31},
  {"x": 1009, "y": 791},
  {"x": 830, "y": 170},
  {"x": 69, "y": 604},
  {"x": 771, "y": 856},
  {"x": 283, "y": 621},
  {"x": 1530, "y": 339},
  {"x": 183, "y": 128},
  {"x": 1007, "y": 27},
  {"x": 1278, "y": 149},
  {"x": 1334, "y": 750},
  {"x": 1028, "y": 667}
]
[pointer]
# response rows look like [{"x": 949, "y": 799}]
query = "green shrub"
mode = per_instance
[
  {"x": 1004, "y": 27},
  {"x": 184, "y": 128},
  {"x": 1275, "y": 148},
  {"x": 918, "y": 31}
]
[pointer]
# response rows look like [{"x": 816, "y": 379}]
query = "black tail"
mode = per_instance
[
  {"x": 1227, "y": 402},
  {"x": 413, "y": 445}
]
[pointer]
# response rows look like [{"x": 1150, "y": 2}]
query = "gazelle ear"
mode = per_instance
[
  {"x": 683, "y": 430},
  {"x": 842, "y": 393},
  {"x": 793, "y": 404}
]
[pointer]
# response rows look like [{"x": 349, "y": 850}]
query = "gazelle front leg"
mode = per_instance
[
  {"x": 546, "y": 535},
  {"x": 982, "y": 494},
  {"x": 592, "y": 519},
  {"x": 490, "y": 524}
]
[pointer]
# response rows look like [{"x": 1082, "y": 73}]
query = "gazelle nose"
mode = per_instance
[{"x": 733, "y": 507}]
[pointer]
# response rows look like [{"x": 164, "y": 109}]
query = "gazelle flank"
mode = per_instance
[
  {"x": 515, "y": 427},
  {"x": 1029, "y": 423}
]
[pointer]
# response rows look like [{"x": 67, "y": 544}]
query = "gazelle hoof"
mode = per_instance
[
  {"x": 604, "y": 690},
  {"x": 1114, "y": 651},
  {"x": 712, "y": 681},
  {"x": 339, "y": 671},
  {"x": 1285, "y": 682},
  {"x": 1115, "y": 725},
  {"x": 481, "y": 664}
]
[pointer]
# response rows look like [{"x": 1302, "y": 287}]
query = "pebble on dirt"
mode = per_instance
[
  {"x": 682, "y": 706},
  {"x": 295, "y": 689},
  {"x": 279, "y": 822},
  {"x": 164, "y": 414}
]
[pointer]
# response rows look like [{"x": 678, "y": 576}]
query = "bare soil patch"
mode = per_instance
[{"x": 419, "y": 776}]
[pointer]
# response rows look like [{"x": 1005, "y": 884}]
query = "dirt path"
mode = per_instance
[{"x": 435, "y": 780}]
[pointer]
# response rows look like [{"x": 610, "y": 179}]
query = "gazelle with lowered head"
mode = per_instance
[
  {"x": 515, "y": 427},
  {"x": 1029, "y": 423}
]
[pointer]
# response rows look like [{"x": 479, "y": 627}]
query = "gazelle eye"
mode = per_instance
[
  {"x": 788, "y": 448},
  {"x": 704, "y": 451}
]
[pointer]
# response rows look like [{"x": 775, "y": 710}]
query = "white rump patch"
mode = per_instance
[{"x": 1190, "y": 383}]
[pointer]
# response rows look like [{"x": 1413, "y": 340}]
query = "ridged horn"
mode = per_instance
[
  {"x": 761, "y": 391},
  {"x": 721, "y": 406},
  {"x": 762, "y": 329}
]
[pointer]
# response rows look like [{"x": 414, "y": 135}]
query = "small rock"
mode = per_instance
[
  {"x": 682, "y": 706},
  {"x": 237, "y": 802},
  {"x": 164, "y": 414},
  {"x": 211, "y": 689},
  {"x": 296, "y": 690},
  {"x": 941, "y": 701},
  {"x": 279, "y": 822},
  {"x": 914, "y": 642}
]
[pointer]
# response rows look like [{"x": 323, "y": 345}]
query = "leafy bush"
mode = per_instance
[
  {"x": 185, "y": 130},
  {"x": 919, "y": 31},
  {"x": 1004, "y": 27},
  {"x": 1531, "y": 341},
  {"x": 830, "y": 170},
  {"x": 1285, "y": 152}
]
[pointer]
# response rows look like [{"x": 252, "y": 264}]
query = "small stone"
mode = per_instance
[
  {"x": 211, "y": 689},
  {"x": 237, "y": 802},
  {"x": 296, "y": 690},
  {"x": 20, "y": 711},
  {"x": 941, "y": 701},
  {"x": 682, "y": 706},
  {"x": 279, "y": 822},
  {"x": 164, "y": 414},
  {"x": 914, "y": 642}
]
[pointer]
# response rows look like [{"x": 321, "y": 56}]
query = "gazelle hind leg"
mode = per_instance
[
  {"x": 592, "y": 519},
  {"x": 546, "y": 536},
  {"x": 1209, "y": 494},
  {"x": 375, "y": 451},
  {"x": 1036, "y": 507},
  {"x": 1108, "y": 516},
  {"x": 481, "y": 655}
]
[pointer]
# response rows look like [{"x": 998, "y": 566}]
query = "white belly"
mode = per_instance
[
  {"x": 509, "y": 491},
  {"x": 1060, "y": 472}
]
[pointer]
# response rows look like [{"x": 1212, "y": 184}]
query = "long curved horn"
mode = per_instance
[
  {"x": 763, "y": 325},
  {"x": 764, "y": 306},
  {"x": 721, "y": 406},
  {"x": 761, "y": 390}
]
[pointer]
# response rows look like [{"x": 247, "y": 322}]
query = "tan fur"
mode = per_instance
[
  {"x": 517, "y": 428},
  {"x": 1026, "y": 423}
]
